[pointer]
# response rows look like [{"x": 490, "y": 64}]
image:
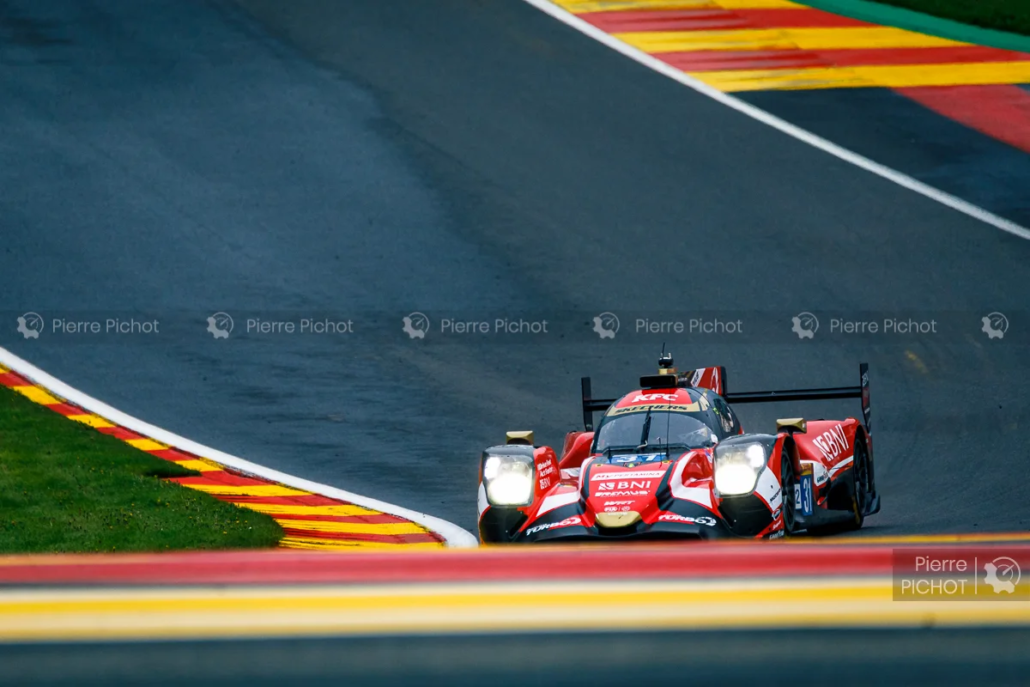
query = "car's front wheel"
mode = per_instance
[{"x": 788, "y": 481}]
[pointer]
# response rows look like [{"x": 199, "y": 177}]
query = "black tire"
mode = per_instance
[
  {"x": 788, "y": 479},
  {"x": 860, "y": 486},
  {"x": 855, "y": 498}
]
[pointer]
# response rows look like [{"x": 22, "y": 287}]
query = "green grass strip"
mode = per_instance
[
  {"x": 994, "y": 23},
  {"x": 65, "y": 487}
]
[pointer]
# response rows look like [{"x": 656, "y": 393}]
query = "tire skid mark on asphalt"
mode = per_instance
[{"x": 333, "y": 525}]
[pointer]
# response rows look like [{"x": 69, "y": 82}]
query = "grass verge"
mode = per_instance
[
  {"x": 1003, "y": 15},
  {"x": 65, "y": 487}
]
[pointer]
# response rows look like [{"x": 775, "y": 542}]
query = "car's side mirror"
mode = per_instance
[
  {"x": 791, "y": 425},
  {"x": 523, "y": 437}
]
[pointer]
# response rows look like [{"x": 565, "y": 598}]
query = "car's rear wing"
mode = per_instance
[{"x": 590, "y": 404}]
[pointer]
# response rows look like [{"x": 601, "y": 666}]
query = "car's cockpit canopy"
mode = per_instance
[{"x": 651, "y": 430}]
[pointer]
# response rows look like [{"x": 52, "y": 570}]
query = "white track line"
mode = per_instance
[
  {"x": 453, "y": 535},
  {"x": 808, "y": 137}
]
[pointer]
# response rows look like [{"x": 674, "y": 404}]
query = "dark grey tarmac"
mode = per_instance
[{"x": 770, "y": 657}]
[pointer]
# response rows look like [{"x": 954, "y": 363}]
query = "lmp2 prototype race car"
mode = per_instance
[{"x": 671, "y": 461}]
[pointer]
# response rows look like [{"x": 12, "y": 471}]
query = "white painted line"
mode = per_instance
[
  {"x": 786, "y": 127},
  {"x": 454, "y": 536}
]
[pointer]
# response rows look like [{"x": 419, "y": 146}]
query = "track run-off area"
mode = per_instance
[{"x": 312, "y": 516}]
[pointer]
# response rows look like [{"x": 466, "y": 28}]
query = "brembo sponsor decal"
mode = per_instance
[
  {"x": 567, "y": 522},
  {"x": 673, "y": 517}
]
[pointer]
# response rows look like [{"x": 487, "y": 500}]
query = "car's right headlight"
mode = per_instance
[
  {"x": 737, "y": 467},
  {"x": 508, "y": 479}
]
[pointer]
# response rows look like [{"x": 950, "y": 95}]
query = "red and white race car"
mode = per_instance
[{"x": 671, "y": 460}]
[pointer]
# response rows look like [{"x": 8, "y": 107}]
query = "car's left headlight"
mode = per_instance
[
  {"x": 508, "y": 479},
  {"x": 737, "y": 467}
]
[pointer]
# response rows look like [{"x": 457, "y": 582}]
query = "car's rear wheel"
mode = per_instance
[
  {"x": 860, "y": 491},
  {"x": 853, "y": 495}
]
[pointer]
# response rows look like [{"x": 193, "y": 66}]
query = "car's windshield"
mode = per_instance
[{"x": 652, "y": 429}]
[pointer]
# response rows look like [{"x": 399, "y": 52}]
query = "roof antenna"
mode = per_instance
[{"x": 666, "y": 366}]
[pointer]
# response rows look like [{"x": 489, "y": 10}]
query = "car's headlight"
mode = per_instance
[
  {"x": 737, "y": 467},
  {"x": 508, "y": 480}
]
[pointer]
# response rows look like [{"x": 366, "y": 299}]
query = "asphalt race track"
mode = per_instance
[
  {"x": 354, "y": 162},
  {"x": 962, "y": 657},
  {"x": 357, "y": 161}
]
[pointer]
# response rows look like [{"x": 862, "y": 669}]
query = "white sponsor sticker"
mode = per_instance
[
  {"x": 673, "y": 517},
  {"x": 654, "y": 397},
  {"x": 627, "y": 474},
  {"x": 605, "y": 488},
  {"x": 567, "y": 522}
]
